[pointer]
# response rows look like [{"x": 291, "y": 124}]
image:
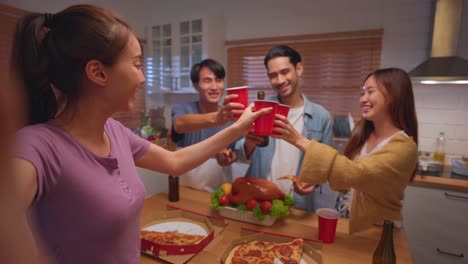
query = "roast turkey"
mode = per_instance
[{"x": 244, "y": 189}]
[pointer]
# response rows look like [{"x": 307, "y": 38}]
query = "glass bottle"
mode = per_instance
[
  {"x": 173, "y": 188},
  {"x": 385, "y": 252},
  {"x": 265, "y": 139},
  {"x": 439, "y": 153}
]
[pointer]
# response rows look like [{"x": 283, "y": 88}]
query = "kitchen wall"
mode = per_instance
[
  {"x": 443, "y": 108},
  {"x": 137, "y": 12},
  {"x": 407, "y": 38}
]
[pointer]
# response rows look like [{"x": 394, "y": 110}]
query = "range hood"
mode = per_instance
[{"x": 444, "y": 66}]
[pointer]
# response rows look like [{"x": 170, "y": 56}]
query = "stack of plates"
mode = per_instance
[{"x": 460, "y": 166}]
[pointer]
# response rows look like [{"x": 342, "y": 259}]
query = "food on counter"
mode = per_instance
[
  {"x": 244, "y": 189},
  {"x": 170, "y": 238},
  {"x": 296, "y": 181},
  {"x": 266, "y": 252},
  {"x": 259, "y": 196}
]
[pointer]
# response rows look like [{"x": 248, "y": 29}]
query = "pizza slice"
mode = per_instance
[
  {"x": 263, "y": 252},
  {"x": 296, "y": 181},
  {"x": 289, "y": 253},
  {"x": 255, "y": 252},
  {"x": 171, "y": 238}
]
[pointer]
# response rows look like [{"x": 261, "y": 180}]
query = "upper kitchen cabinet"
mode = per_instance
[{"x": 173, "y": 48}]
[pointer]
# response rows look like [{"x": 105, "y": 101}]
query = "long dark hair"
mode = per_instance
[
  {"x": 398, "y": 88},
  {"x": 52, "y": 51}
]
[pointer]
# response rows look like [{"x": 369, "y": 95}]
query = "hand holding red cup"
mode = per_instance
[
  {"x": 242, "y": 98},
  {"x": 283, "y": 110},
  {"x": 263, "y": 125}
]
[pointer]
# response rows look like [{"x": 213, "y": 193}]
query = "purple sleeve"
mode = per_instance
[
  {"x": 32, "y": 144},
  {"x": 138, "y": 145}
]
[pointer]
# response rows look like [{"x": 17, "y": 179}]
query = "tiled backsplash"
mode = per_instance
[{"x": 443, "y": 108}]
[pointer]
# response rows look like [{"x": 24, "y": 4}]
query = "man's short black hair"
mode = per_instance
[
  {"x": 283, "y": 51},
  {"x": 216, "y": 67}
]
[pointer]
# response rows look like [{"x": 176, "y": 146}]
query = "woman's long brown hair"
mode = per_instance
[
  {"x": 399, "y": 90},
  {"x": 52, "y": 50}
]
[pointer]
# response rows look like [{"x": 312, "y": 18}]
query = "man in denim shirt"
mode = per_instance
[{"x": 279, "y": 158}]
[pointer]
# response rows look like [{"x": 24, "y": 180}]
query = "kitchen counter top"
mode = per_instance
[
  {"x": 356, "y": 248},
  {"x": 444, "y": 180}
]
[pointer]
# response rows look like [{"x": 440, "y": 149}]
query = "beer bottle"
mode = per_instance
[
  {"x": 385, "y": 252},
  {"x": 265, "y": 139},
  {"x": 173, "y": 188}
]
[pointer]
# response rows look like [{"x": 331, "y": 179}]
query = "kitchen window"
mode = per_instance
[
  {"x": 335, "y": 65},
  {"x": 174, "y": 46}
]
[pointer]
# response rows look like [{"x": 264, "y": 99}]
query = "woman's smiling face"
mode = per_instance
[
  {"x": 126, "y": 76},
  {"x": 373, "y": 101}
]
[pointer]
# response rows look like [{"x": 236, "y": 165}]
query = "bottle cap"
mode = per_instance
[{"x": 261, "y": 95}]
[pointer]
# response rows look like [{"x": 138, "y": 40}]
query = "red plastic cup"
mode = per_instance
[
  {"x": 263, "y": 125},
  {"x": 281, "y": 110},
  {"x": 327, "y": 220},
  {"x": 243, "y": 97}
]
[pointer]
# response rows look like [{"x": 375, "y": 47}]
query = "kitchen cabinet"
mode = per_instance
[
  {"x": 436, "y": 225},
  {"x": 173, "y": 48}
]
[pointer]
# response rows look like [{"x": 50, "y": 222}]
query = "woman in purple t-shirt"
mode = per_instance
[{"x": 75, "y": 164}]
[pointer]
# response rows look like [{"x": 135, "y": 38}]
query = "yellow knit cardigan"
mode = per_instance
[{"x": 379, "y": 179}]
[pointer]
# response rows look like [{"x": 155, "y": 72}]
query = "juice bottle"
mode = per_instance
[{"x": 439, "y": 153}]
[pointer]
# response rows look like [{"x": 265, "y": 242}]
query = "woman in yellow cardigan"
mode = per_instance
[{"x": 381, "y": 156}]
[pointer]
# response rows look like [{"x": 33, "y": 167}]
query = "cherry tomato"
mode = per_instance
[
  {"x": 251, "y": 203},
  {"x": 224, "y": 200},
  {"x": 265, "y": 206}
]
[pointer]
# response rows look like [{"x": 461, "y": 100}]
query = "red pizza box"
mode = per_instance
[
  {"x": 180, "y": 221},
  {"x": 311, "y": 250}
]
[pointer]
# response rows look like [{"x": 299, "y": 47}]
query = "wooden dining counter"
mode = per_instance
[{"x": 356, "y": 248}]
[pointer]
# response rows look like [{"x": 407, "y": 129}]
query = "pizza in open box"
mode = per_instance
[
  {"x": 171, "y": 238},
  {"x": 263, "y": 252}
]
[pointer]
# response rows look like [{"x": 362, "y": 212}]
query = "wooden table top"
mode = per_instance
[{"x": 356, "y": 248}]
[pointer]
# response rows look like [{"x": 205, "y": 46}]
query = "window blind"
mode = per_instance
[{"x": 335, "y": 65}]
